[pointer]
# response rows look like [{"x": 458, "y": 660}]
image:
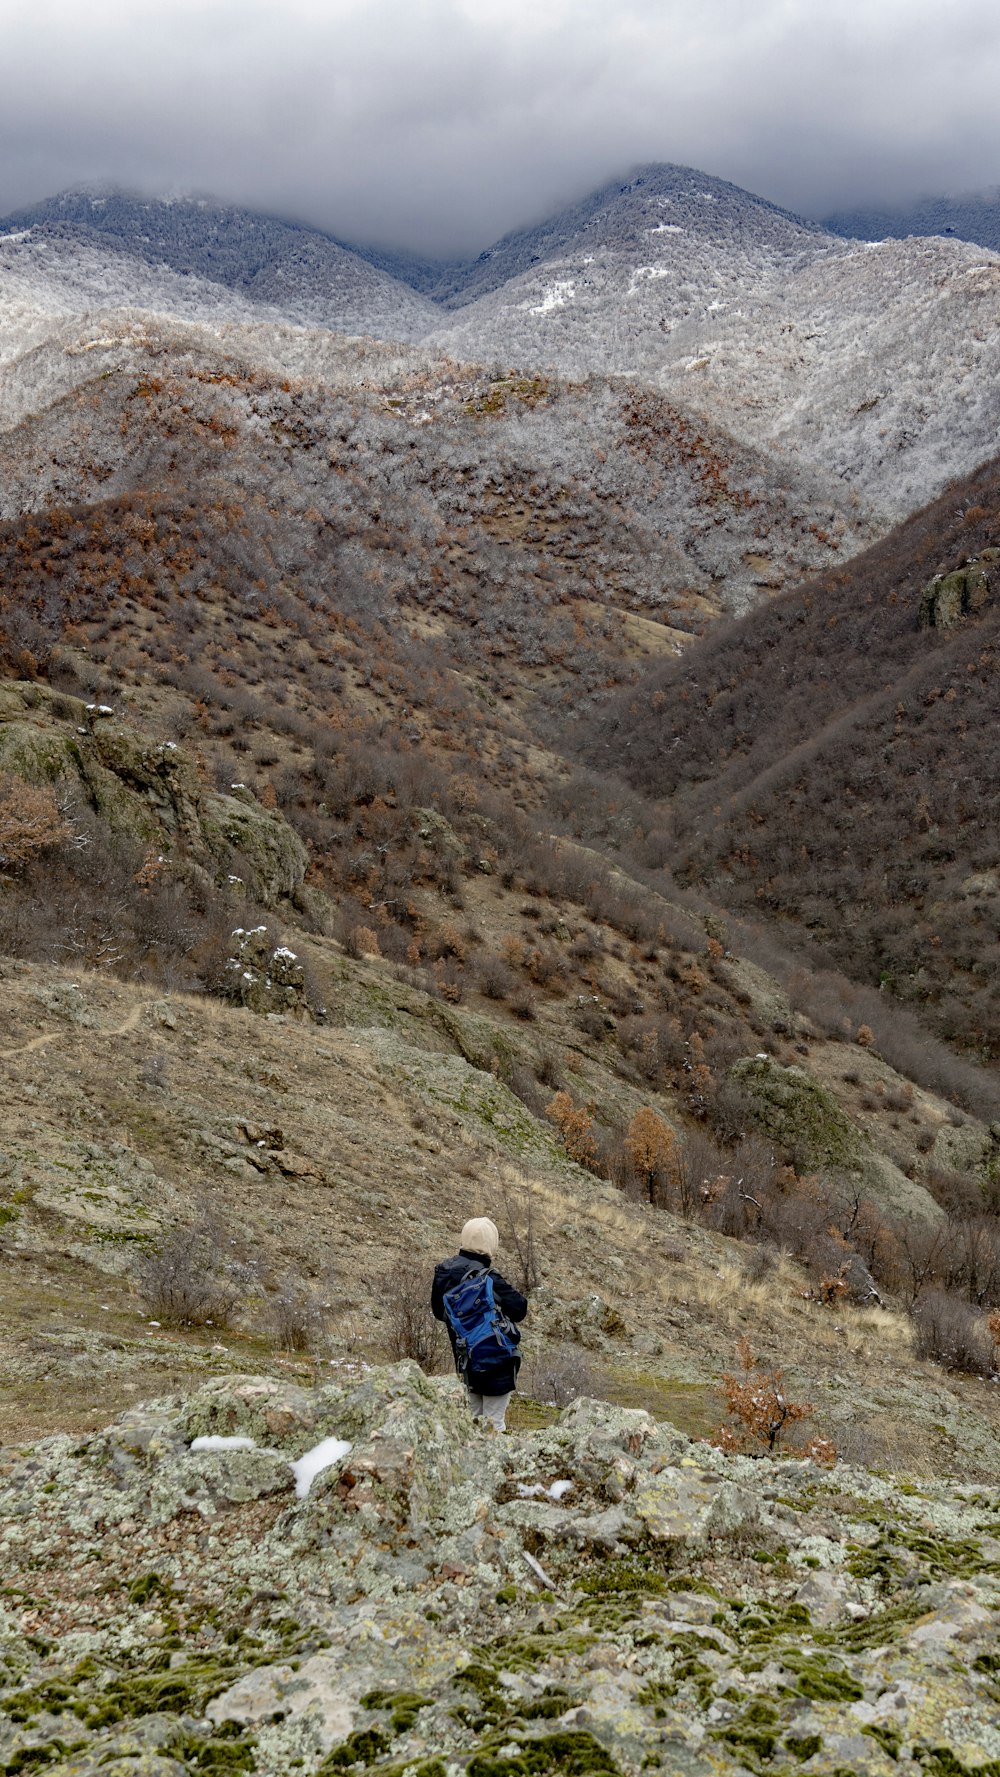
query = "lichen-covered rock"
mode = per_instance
[
  {"x": 679, "y": 1506},
  {"x": 149, "y": 790},
  {"x": 265, "y": 977},
  {"x": 245, "y": 838},
  {"x": 948, "y": 598},
  {"x": 598, "y": 1596}
]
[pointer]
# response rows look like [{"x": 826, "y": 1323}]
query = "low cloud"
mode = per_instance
[{"x": 438, "y": 124}]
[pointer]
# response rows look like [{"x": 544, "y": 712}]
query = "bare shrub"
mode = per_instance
[
  {"x": 495, "y": 978},
  {"x": 558, "y": 1374},
  {"x": 412, "y": 1330},
  {"x": 758, "y": 1262},
  {"x": 296, "y": 1316},
  {"x": 951, "y": 1333},
  {"x": 184, "y": 1283},
  {"x": 547, "y": 1070},
  {"x": 520, "y": 1227},
  {"x": 700, "y": 1165}
]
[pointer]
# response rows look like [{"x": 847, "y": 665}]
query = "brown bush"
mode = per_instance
[
  {"x": 30, "y": 820},
  {"x": 756, "y": 1399},
  {"x": 576, "y": 1126},
  {"x": 651, "y": 1147}
]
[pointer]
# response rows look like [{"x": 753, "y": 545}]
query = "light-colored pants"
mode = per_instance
[{"x": 491, "y": 1407}]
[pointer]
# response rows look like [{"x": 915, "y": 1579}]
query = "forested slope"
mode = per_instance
[{"x": 835, "y": 765}]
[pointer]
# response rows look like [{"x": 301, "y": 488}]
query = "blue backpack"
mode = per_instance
[{"x": 485, "y": 1339}]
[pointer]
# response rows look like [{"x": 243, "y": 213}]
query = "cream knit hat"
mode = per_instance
[{"x": 480, "y": 1236}]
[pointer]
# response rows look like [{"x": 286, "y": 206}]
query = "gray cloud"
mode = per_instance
[{"x": 438, "y": 124}]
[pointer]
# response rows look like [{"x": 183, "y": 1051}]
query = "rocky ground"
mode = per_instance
[{"x": 601, "y": 1595}]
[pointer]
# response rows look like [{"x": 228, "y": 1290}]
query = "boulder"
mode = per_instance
[
  {"x": 948, "y": 598},
  {"x": 806, "y": 1120},
  {"x": 265, "y": 977}
]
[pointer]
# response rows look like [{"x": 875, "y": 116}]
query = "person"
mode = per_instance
[{"x": 489, "y": 1390}]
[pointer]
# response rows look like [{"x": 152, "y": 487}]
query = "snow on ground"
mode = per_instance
[
  {"x": 325, "y": 1455},
  {"x": 555, "y": 296},
  {"x": 217, "y": 1443}
]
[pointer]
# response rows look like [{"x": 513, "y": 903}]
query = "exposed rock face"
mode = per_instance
[
  {"x": 438, "y": 1605},
  {"x": 948, "y": 598},
  {"x": 147, "y": 789},
  {"x": 264, "y": 977}
]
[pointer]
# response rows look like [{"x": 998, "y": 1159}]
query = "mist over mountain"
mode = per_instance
[
  {"x": 298, "y": 273},
  {"x": 975, "y": 217}
]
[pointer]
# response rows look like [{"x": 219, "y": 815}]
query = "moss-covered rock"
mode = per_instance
[
  {"x": 806, "y": 1120},
  {"x": 423, "y": 1609},
  {"x": 948, "y": 598},
  {"x": 148, "y": 790}
]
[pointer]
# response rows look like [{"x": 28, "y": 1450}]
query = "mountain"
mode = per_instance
[
  {"x": 831, "y": 761},
  {"x": 784, "y": 333},
  {"x": 975, "y": 217},
  {"x": 874, "y": 365},
  {"x": 278, "y": 266}
]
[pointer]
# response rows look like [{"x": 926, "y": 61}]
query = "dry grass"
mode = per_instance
[{"x": 398, "y": 1174}]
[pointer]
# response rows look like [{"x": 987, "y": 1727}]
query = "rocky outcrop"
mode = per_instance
[
  {"x": 265, "y": 977},
  {"x": 808, "y": 1123},
  {"x": 948, "y": 598},
  {"x": 147, "y": 789},
  {"x": 598, "y": 1596}
]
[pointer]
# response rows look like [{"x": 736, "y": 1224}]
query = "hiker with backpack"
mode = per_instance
[{"x": 480, "y": 1309}]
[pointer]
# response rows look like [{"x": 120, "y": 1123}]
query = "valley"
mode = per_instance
[{"x": 508, "y": 738}]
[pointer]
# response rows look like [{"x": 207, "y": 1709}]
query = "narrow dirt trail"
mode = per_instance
[{"x": 54, "y": 1036}]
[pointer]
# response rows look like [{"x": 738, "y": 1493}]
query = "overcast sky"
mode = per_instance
[{"x": 439, "y": 124}]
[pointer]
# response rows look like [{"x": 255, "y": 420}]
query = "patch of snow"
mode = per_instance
[
  {"x": 536, "y": 1489},
  {"x": 646, "y": 273},
  {"x": 666, "y": 228},
  {"x": 555, "y": 296},
  {"x": 283, "y": 950},
  {"x": 216, "y": 1443},
  {"x": 323, "y": 1456}
]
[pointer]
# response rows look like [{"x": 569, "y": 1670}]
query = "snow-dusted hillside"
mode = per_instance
[
  {"x": 874, "y": 366},
  {"x": 610, "y": 284},
  {"x": 972, "y": 217},
  {"x": 880, "y": 363},
  {"x": 305, "y": 275}
]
